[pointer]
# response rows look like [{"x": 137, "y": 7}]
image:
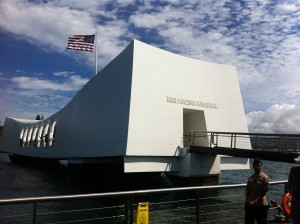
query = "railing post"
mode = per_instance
[
  {"x": 193, "y": 138},
  {"x": 131, "y": 209},
  {"x": 126, "y": 210},
  {"x": 281, "y": 144},
  {"x": 256, "y": 147},
  {"x": 235, "y": 140},
  {"x": 34, "y": 212},
  {"x": 197, "y": 208}
]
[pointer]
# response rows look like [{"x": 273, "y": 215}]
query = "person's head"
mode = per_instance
[{"x": 257, "y": 165}]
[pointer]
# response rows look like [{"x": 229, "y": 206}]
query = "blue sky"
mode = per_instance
[{"x": 261, "y": 38}]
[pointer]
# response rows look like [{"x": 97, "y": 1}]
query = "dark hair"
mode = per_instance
[{"x": 257, "y": 161}]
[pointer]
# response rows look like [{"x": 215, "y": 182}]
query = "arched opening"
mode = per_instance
[
  {"x": 39, "y": 137},
  {"x": 25, "y": 138},
  {"x": 21, "y": 137},
  {"x": 34, "y": 136},
  {"x": 45, "y": 136},
  {"x": 52, "y": 133}
]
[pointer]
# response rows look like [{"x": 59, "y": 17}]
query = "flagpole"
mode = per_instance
[{"x": 96, "y": 53}]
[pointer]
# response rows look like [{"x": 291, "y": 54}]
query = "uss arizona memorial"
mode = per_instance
[{"x": 134, "y": 114}]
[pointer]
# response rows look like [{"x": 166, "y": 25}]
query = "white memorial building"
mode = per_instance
[{"x": 135, "y": 112}]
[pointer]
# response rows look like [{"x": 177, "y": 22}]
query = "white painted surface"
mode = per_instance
[{"x": 135, "y": 108}]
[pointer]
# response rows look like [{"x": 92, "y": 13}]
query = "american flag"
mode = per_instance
[{"x": 81, "y": 42}]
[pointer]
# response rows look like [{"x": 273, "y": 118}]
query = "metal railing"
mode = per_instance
[
  {"x": 258, "y": 141},
  {"x": 199, "y": 204}
]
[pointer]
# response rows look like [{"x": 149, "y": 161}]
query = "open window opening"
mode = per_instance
[{"x": 194, "y": 125}]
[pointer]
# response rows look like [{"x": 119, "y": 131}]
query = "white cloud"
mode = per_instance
[
  {"x": 27, "y": 103},
  {"x": 29, "y": 96},
  {"x": 261, "y": 38},
  {"x": 63, "y": 74},
  {"x": 110, "y": 42},
  {"x": 146, "y": 21},
  {"x": 277, "y": 119},
  {"x": 43, "y": 23},
  {"x": 289, "y": 7},
  {"x": 264, "y": 46},
  {"x": 49, "y": 25},
  {"x": 72, "y": 84}
]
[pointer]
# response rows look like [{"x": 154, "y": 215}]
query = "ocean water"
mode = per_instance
[{"x": 19, "y": 181}]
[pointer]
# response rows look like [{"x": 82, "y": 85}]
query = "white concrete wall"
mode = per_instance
[
  {"x": 156, "y": 126},
  {"x": 93, "y": 124},
  {"x": 134, "y": 108},
  {"x": 96, "y": 121}
]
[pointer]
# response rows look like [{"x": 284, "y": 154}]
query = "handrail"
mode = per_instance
[
  {"x": 129, "y": 218},
  {"x": 257, "y": 141},
  {"x": 123, "y": 193},
  {"x": 248, "y": 133}
]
